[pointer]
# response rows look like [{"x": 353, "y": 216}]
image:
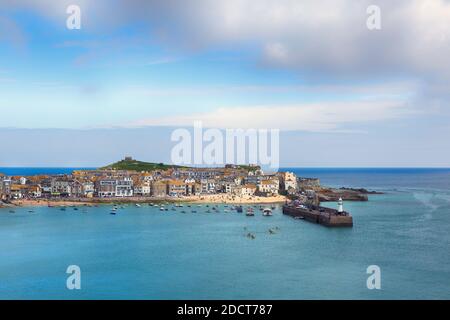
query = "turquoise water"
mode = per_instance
[{"x": 143, "y": 253}]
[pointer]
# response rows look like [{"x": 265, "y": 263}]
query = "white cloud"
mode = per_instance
[
  {"x": 328, "y": 36},
  {"x": 320, "y": 117}
]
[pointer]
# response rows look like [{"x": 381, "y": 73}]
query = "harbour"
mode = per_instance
[
  {"x": 321, "y": 215},
  {"x": 143, "y": 253}
]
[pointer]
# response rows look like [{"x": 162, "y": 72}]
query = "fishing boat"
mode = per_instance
[{"x": 267, "y": 212}]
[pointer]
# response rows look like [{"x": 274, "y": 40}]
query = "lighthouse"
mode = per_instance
[{"x": 340, "y": 206}]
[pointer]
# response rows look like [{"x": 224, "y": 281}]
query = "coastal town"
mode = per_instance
[
  {"x": 137, "y": 182},
  {"x": 231, "y": 182}
]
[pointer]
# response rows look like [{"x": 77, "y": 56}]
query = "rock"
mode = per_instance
[{"x": 346, "y": 195}]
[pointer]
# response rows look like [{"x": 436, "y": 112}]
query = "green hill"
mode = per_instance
[{"x": 131, "y": 164}]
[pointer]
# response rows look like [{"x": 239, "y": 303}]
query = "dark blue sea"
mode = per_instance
[
  {"x": 20, "y": 171},
  {"x": 145, "y": 253}
]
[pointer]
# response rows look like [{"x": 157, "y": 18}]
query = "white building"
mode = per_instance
[
  {"x": 208, "y": 186},
  {"x": 142, "y": 189},
  {"x": 61, "y": 187},
  {"x": 124, "y": 187},
  {"x": 269, "y": 186}
]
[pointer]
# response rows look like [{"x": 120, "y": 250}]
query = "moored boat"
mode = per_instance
[{"x": 267, "y": 212}]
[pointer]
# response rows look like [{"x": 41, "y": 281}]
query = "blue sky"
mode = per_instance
[{"x": 311, "y": 69}]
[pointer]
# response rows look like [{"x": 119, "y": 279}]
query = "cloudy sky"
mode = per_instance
[{"x": 343, "y": 95}]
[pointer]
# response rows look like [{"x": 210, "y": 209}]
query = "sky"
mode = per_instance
[{"x": 341, "y": 94}]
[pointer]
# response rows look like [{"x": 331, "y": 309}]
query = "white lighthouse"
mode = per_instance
[{"x": 340, "y": 206}]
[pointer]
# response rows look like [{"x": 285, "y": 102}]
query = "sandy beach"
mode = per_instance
[
  {"x": 213, "y": 198},
  {"x": 226, "y": 198}
]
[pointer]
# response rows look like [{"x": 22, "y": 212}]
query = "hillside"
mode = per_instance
[{"x": 131, "y": 164}]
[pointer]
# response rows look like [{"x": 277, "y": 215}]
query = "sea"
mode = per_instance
[{"x": 145, "y": 253}]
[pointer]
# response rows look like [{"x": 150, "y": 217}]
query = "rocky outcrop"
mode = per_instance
[
  {"x": 330, "y": 194},
  {"x": 361, "y": 190}
]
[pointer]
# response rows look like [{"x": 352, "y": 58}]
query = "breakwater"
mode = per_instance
[{"x": 320, "y": 215}]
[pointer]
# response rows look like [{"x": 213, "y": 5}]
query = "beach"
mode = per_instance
[{"x": 213, "y": 198}]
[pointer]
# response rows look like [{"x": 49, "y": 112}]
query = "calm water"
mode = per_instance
[
  {"x": 21, "y": 171},
  {"x": 149, "y": 254}
]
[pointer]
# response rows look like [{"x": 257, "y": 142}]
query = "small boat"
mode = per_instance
[
  {"x": 251, "y": 236},
  {"x": 63, "y": 209},
  {"x": 193, "y": 211},
  {"x": 113, "y": 213},
  {"x": 208, "y": 211},
  {"x": 267, "y": 212},
  {"x": 250, "y": 212},
  {"x": 161, "y": 209},
  {"x": 239, "y": 209},
  {"x": 138, "y": 205},
  {"x": 11, "y": 211},
  {"x": 76, "y": 209}
]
